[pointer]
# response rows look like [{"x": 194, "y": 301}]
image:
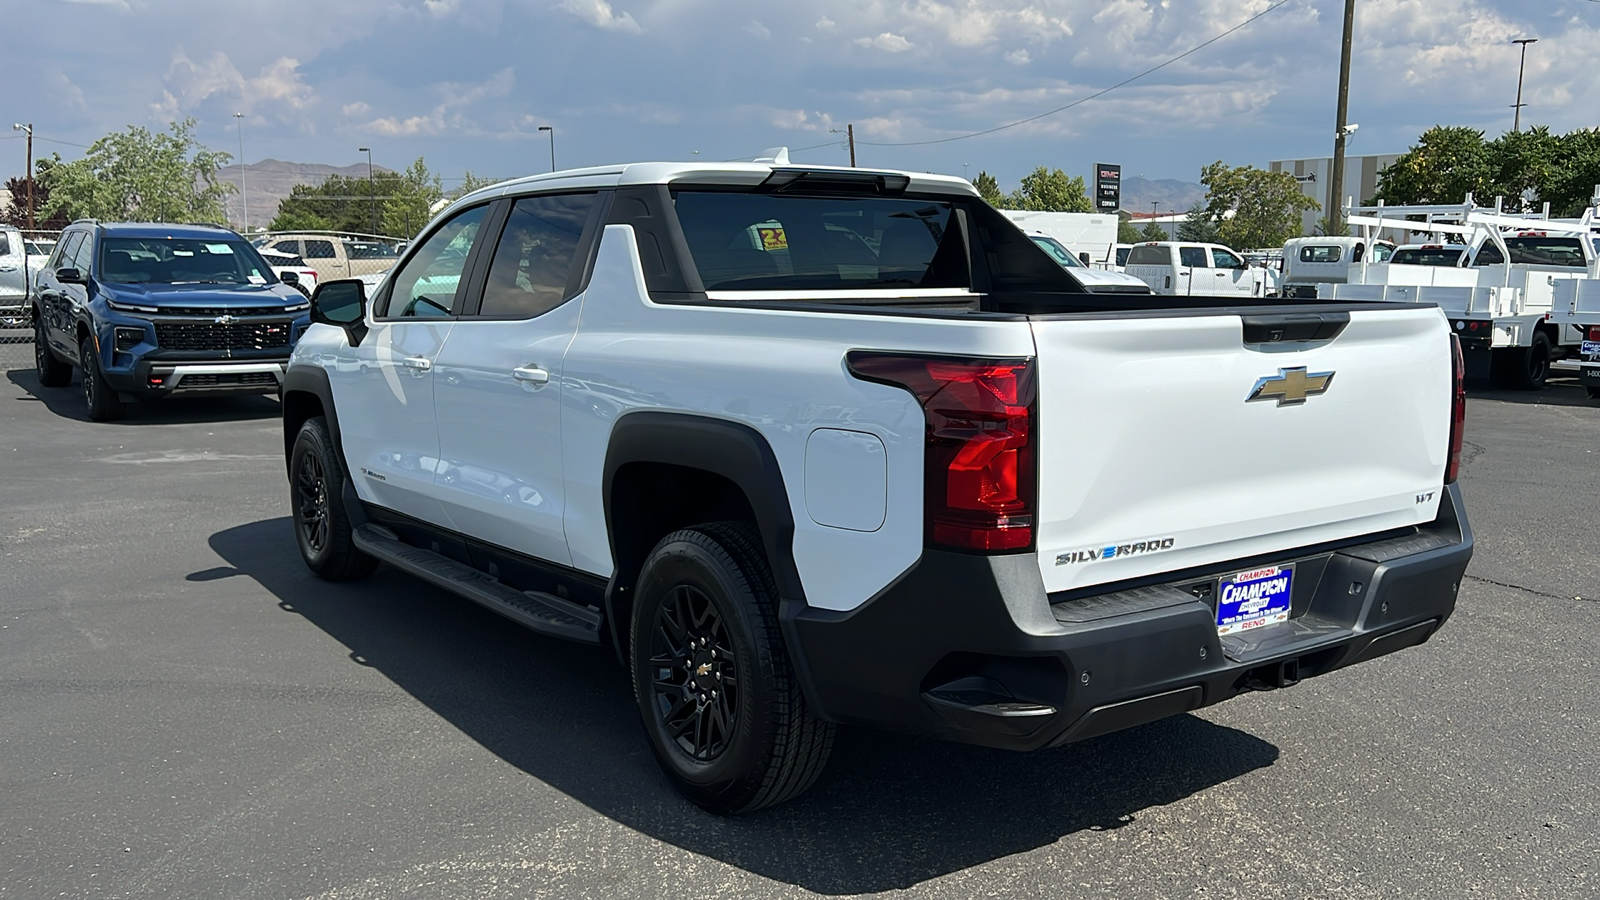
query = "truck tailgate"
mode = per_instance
[{"x": 1152, "y": 457}]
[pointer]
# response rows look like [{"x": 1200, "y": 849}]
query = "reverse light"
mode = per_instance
[
  {"x": 980, "y": 472},
  {"x": 1458, "y": 410}
]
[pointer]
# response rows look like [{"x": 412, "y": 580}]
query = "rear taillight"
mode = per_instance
[
  {"x": 980, "y": 471},
  {"x": 1594, "y": 332},
  {"x": 1458, "y": 410}
]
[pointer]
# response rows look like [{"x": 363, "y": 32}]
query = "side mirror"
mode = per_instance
[
  {"x": 70, "y": 276},
  {"x": 289, "y": 277},
  {"x": 342, "y": 303},
  {"x": 1083, "y": 257}
]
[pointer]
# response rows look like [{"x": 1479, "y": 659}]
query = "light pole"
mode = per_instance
[
  {"x": 29, "y": 129},
  {"x": 1516, "y": 124},
  {"x": 372, "y": 191},
  {"x": 552, "y": 131},
  {"x": 1336, "y": 182},
  {"x": 244, "y": 189}
]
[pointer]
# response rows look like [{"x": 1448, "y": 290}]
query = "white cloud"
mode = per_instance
[
  {"x": 825, "y": 23},
  {"x": 889, "y": 42},
  {"x": 442, "y": 7},
  {"x": 1018, "y": 58},
  {"x": 447, "y": 115},
  {"x": 759, "y": 30},
  {"x": 188, "y": 83},
  {"x": 599, "y": 14}
]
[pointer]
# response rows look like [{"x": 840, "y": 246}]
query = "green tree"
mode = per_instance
[
  {"x": 410, "y": 198},
  {"x": 141, "y": 175},
  {"x": 339, "y": 203},
  {"x": 470, "y": 183},
  {"x": 1127, "y": 232},
  {"x": 1266, "y": 206},
  {"x": 1325, "y": 228},
  {"x": 1571, "y": 182},
  {"x": 1444, "y": 166},
  {"x": 1154, "y": 232},
  {"x": 1522, "y": 165},
  {"x": 1199, "y": 227},
  {"x": 1051, "y": 190},
  {"x": 989, "y": 190}
]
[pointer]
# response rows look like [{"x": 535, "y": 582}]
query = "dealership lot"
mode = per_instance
[{"x": 187, "y": 712}]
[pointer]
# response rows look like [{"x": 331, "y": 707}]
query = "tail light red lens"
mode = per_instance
[
  {"x": 1458, "y": 410},
  {"x": 1594, "y": 332},
  {"x": 980, "y": 470}
]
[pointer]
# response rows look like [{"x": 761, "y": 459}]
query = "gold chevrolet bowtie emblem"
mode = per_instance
[
  {"x": 1291, "y": 386},
  {"x": 704, "y": 669}
]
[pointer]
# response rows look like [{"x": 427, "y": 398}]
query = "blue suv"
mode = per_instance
[{"x": 150, "y": 310}]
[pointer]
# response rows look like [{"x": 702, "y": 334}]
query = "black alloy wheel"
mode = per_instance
[
  {"x": 51, "y": 372},
  {"x": 311, "y": 501},
  {"x": 694, "y": 673},
  {"x": 322, "y": 528},
  {"x": 720, "y": 701},
  {"x": 99, "y": 398}
]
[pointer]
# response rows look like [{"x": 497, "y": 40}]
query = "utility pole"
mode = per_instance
[
  {"x": 1340, "y": 132},
  {"x": 29, "y": 129},
  {"x": 1516, "y": 124},
  {"x": 372, "y": 191},
  {"x": 244, "y": 189},
  {"x": 850, "y": 132}
]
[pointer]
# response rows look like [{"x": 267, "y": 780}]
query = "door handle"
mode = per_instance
[
  {"x": 419, "y": 364},
  {"x": 531, "y": 374}
]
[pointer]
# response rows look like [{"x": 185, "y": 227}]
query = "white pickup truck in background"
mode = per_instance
[
  {"x": 1312, "y": 261},
  {"x": 1179, "y": 269},
  {"x": 15, "y": 278},
  {"x": 810, "y": 445}
]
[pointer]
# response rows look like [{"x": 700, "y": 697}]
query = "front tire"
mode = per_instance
[
  {"x": 52, "y": 372},
  {"x": 722, "y": 709},
  {"x": 321, "y": 527},
  {"x": 98, "y": 397}
]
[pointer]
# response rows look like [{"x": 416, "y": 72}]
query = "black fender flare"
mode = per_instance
[
  {"x": 732, "y": 450},
  {"x": 313, "y": 380}
]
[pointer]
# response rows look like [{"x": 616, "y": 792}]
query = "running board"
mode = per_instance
[{"x": 544, "y": 613}]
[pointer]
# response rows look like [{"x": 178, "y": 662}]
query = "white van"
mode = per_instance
[
  {"x": 1179, "y": 269},
  {"x": 1310, "y": 261}
]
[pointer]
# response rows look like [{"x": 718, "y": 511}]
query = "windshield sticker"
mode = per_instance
[
  {"x": 220, "y": 249},
  {"x": 772, "y": 238},
  {"x": 256, "y": 279},
  {"x": 1115, "y": 551}
]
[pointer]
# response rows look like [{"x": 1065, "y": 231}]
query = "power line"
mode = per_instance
[{"x": 1101, "y": 93}]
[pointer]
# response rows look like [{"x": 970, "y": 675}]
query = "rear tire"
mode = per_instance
[
  {"x": 1523, "y": 368},
  {"x": 1594, "y": 392},
  {"x": 52, "y": 372},
  {"x": 98, "y": 396},
  {"x": 322, "y": 529},
  {"x": 722, "y": 709}
]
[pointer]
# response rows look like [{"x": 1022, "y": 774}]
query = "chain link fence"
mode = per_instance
[{"x": 16, "y": 326}]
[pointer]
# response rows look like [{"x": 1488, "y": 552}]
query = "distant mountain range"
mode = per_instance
[
  {"x": 1168, "y": 194},
  {"x": 271, "y": 180}
]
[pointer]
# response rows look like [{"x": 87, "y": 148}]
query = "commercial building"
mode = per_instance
[{"x": 1316, "y": 180}]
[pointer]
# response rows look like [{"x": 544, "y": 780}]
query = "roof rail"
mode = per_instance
[
  {"x": 206, "y": 225},
  {"x": 86, "y": 219}
]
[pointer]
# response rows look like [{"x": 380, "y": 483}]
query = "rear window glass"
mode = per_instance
[
  {"x": 1427, "y": 256},
  {"x": 1124, "y": 252},
  {"x": 1194, "y": 257},
  {"x": 1321, "y": 253},
  {"x": 774, "y": 242},
  {"x": 1535, "y": 251},
  {"x": 1149, "y": 256}
]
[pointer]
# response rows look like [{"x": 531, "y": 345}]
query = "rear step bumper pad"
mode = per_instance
[{"x": 970, "y": 648}]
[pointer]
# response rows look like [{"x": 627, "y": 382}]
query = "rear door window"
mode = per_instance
[
  {"x": 1321, "y": 253},
  {"x": 532, "y": 263},
  {"x": 320, "y": 250},
  {"x": 1193, "y": 257}
]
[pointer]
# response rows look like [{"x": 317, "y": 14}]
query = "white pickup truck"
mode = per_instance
[
  {"x": 15, "y": 267},
  {"x": 809, "y": 446},
  {"x": 1177, "y": 269}
]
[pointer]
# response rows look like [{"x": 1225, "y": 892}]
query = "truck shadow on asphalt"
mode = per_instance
[
  {"x": 891, "y": 811},
  {"x": 1558, "y": 391},
  {"x": 67, "y": 402}
]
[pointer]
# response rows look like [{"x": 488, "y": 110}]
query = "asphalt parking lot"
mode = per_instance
[{"x": 186, "y": 712}]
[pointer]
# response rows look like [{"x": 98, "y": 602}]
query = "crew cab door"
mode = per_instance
[
  {"x": 1192, "y": 275},
  {"x": 499, "y": 385},
  {"x": 1231, "y": 275},
  {"x": 384, "y": 388},
  {"x": 327, "y": 257},
  {"x": 13, "y": 271}
]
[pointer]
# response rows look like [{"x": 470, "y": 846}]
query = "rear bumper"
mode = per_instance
[{"x": 972, "y": 649}]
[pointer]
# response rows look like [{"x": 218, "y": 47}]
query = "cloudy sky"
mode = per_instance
[{"x": 467, "y": 83}]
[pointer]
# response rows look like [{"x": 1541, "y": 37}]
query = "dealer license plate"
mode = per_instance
[{"x": 1254, "y": 599}]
